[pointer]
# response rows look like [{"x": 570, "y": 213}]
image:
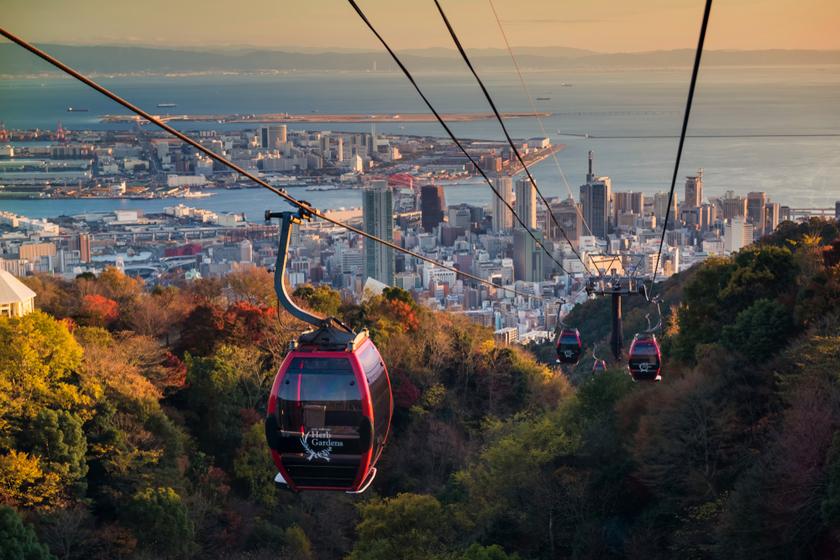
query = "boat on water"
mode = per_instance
[
  {"x": 166, "y": 105},
  {"x": 76, "y": 110},
  {"x": 192, "y": 194}
]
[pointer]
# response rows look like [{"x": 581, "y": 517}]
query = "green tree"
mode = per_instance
[
  {"x": 519, "y": 489},
  {"x": 161, "y": 520},
  {"x": 252, "y": 467},
  {"x": 760, "y": 330},
  {"x": 57, "y": 437},
  {"x": 220, "y": 386},
  {"x": 296, "y": 544},
  {"x": 18, "y": 541},
  {"x": 322, "y": 298},
  {"x": 492, "y": 552},
  {"x": 408, "y": 526}
]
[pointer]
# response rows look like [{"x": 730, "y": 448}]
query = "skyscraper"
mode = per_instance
[
  {"x": 272, "y": 136},
  {"x": 660, "y": 207},
  {"x": 568, "y": 214},
  {"x": 595, "y": 196},
  {"x": 432, "y": 206},
  {"x": 527, "y": 256},
  {"x": 772, "y": 217},
  {"x": 378, "y": 215},
  {"x": 526, "y": 202},
  {"x": 738, "y": 233},
  {"x": 627, "y": 203},
  {"x": 694, "y": 190},
  {"x": 756, "y": 201},
  {"x": 732, "y": 206},
  {"x": 502, "y": 216}
]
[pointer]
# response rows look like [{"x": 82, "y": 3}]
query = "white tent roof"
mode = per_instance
[
  {"x": 13, "y": 290},
  {"x": 372, "y": 287}
]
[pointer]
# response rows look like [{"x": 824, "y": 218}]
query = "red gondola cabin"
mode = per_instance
[
  {"x": 569, "y": 346},
  {"x": 645, "y": 358},
  {"x": 329, "y": 412}
]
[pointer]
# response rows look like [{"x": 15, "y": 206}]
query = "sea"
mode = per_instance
[{"x": 772, "y": 129}]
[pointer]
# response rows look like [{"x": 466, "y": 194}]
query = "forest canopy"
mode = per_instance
[{"x": 131, "y": 424}]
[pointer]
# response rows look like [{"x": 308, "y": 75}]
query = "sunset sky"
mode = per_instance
[{"x": 602, "y": 25}]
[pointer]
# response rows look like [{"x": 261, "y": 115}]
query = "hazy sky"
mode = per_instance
[{"x": 604, "y": 25}]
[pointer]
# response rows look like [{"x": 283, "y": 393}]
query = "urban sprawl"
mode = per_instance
[{"x": 403, "y": 200}]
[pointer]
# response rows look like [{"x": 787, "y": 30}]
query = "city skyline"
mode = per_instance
[{"x": 619, "y": 27}]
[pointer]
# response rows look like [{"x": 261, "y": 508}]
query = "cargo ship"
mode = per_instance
[{"x": 166, "y": 105}]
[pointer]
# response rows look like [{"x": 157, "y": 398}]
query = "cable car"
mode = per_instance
[
  {"x": 330, "y": 407},
  {"x": 599, "y": 366},
  {"x": 329, "y": 412},
  {"x": 645, "y": 358},
  {"x": 569, "y": 346}
]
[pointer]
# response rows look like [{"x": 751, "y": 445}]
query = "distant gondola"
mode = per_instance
[
  {"x": 645, "y": 358},
  {"x": 569, "y": 346},
  {"x": 599, "y": 366}
]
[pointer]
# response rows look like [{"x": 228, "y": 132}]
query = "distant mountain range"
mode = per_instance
[{"x": 14, "y": 61}]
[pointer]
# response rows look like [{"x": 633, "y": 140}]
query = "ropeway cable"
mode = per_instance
[
  {"x": 506, "y": 133},
  {"x": 227, "y": 163},
  {"x": 694, "y": 72},
  {"x": 451, "y": 134}
]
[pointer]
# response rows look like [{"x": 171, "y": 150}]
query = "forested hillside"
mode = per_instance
[{"x": 131, "y": 425}]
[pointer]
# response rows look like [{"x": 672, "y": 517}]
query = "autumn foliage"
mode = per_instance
[{"x": 130, "y": 424}]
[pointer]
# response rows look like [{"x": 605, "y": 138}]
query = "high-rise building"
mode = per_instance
[
  {"x": 737, "y": 234},
  {"x": 756, "y": 201},
  {"x": 526, "y": 202},
  {"x": 527, "y": 256},
  {"x": 694, "y": 190},
  {"x": 272, "y": 136},
  {"x": 595, "y": 197},
  {"x": 34, "y": 251},
  {"x": 708, "y": 216},
  {"x": 837, "y": 210},
  {"x": 490, "y": 163},
  {"x": 772, "y": 216},
  {"x": 568, "y": 214},
  {"x": 627, "y": 203},
  {"x": 378, "y": 216},
  {"x": 660, "y": 207},
  {"x": 460, "y": 216},
  {"x": 733, "y": 206},
  {"x": 246, "y": 251},
  {"x": 502, "y": 216},
  {"x": 432, "y": 206},
  {"x": 81, "y": 243}
]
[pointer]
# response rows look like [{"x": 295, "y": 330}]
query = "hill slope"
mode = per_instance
[{"x": 130, "y": 424}]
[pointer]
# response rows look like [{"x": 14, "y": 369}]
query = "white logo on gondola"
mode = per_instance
[
  {"x": 645, "y": 367},
  {"x": 318, "y": 438}
]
